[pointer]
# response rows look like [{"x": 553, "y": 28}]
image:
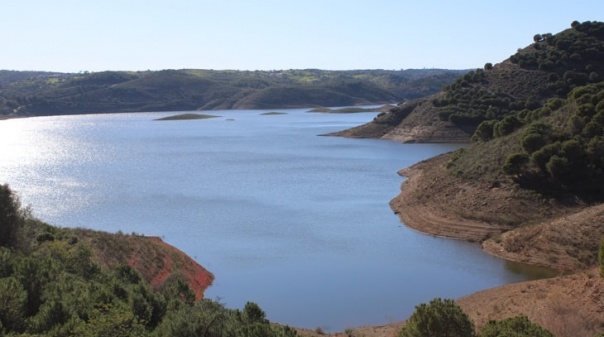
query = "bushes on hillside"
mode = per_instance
[
  {"x": 439, "y": 318},
  {"x": 519, "y": 326},
  {"x": 566, "y": 150},
  {"x": 53, "y": 287},
  {"x": 444, "y": 318}
]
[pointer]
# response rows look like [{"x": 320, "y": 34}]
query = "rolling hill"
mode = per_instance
[
  {"x": 47, "y": 93},
  {"x": 549, "y": 68}
]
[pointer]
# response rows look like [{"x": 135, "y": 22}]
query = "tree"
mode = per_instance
[
  {"x": 515, "y": 163},
  {"x": 10, "y": 207},
  {"x": 519, "y": 326},
  {"x": 532, "y": 142},
  {"x": 252, "y": 313},
  {"x": 537, "y": 38},
  {"x": 441, "y": 317}
]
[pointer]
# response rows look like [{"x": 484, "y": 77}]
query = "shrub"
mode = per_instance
[
  {"x": 532, "y": 142},
  {"x": 519, "y": 326},
  {"x": 438, "y": 318},
  {"x": 515, "y": 163}
]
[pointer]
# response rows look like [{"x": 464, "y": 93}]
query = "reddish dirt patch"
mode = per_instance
[
  {"x": 154, "y": 259},
  {"x": 175, "y": 261}
]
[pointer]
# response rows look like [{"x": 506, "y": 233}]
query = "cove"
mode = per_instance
[{"x": 298, "y": 223}]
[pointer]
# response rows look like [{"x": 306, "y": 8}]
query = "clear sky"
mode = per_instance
[{"x": 96, "y": 35}]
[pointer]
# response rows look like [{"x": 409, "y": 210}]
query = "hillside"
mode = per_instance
[
  {"x": 550, "y": 67},
  {"x": 46, "y": 93},
  {"x": 76, "y": 282},
  {"x": 528, "y": 186}
]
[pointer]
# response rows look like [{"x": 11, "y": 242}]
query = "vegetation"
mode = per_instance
[
  {"x": 45, "y": 93},
  {"x": 444, "y": 318},
  {"x": 551, "y": 67},
  {"x": 439, "y": 318},
  {"x": 563, "y": 150},
  {"x": 556, "y": 149},
  {"x": 51, "y": 285},
  {"x": 519, "y": 326},
  {"x": 185, "y": 117}
]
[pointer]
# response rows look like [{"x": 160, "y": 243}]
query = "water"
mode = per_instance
[{"x": 298, "y": 223}]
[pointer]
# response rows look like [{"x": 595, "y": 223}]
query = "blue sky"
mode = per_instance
[{"x": 96, "y": 35}]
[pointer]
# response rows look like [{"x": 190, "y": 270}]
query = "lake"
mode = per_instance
[{"x": 296, "y": 222}]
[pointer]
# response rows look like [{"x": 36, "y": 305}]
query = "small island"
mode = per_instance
[
  {"x": 185, "y": 117},
  {"x": 273, "y": 113}
]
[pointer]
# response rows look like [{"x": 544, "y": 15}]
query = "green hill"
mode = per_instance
[
  {"x": 535, "y": 160},
  {"x": 549, "y": 68},
  {"x": 45, "y": 93}
]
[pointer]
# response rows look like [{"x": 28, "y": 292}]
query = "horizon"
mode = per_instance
[{"x": 71, "y": 37}]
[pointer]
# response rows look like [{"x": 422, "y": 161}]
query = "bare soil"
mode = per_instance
[{"x": 154, "y": 259}]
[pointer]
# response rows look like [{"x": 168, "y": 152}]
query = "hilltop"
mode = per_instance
[
  {"x": 550, "y": 67},
  {"x": 48, "y": 93}
]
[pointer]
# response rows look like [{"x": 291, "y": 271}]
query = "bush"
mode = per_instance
[
  {"x": 438, "y": 318},
  {"x": 519, "y": 326},
  {"x": 515, "y": 163}
]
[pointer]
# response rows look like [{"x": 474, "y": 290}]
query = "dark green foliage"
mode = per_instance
[
  {"x": 484, "y": 132},
  {"x": 532, "y": 142},
  {"x": 557, "y": 63},
  {"x": 39, "y": 93},
  {"x": 13, "y": 300},
  {"x": 9, "y": 215},
  {"x": 439, "y": 318},
  {"x": 55, "y": 288},
  {"x": 506, "y": 126},
  {"x": 519, "y": 326},
  {"x": 515, "y": 163},
  {"x": 566, "y": 146}
]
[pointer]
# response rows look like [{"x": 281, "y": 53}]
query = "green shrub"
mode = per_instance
[
  {"x": 439, "y": 318},
  {"x": 519, "y": 326}
]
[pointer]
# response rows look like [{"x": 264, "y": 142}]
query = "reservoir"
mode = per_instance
[{"x": 296, "y": 222}]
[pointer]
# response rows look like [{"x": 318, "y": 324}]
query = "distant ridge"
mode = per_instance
[{"x": 51, "y": 93}]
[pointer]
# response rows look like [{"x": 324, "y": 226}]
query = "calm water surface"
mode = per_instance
[{"x": 298, "y": 223}]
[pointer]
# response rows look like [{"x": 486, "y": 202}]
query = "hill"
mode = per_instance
[
  {"x": 550, "y": 67},
  {"x": 529, "y": 186},
  {"x": 76, "y": 282},
  {"x": 535, "y": 161},
  {"x": 46, "y": 93}
]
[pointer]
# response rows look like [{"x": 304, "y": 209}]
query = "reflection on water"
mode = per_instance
[{"x": 298, "y": 223}]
